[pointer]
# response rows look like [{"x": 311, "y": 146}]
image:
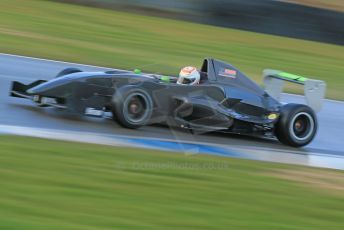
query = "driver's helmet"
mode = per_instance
[{"x": 189, "y": 76}]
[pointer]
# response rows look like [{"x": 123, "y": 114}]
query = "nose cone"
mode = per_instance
[
  {"x": 35, "y": 90},
  {"x": 47, "y": 87},
  {"x": 59, "y": 86},
  {"x": 42, "y": 88}
]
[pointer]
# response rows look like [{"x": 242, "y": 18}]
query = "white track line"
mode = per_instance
[{"x": 324, "y": 161}]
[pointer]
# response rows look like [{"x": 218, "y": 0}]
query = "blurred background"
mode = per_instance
[{"x": 318, "y": 20}]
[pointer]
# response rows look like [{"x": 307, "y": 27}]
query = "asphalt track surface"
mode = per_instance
[{"x": 20, "y": 112}]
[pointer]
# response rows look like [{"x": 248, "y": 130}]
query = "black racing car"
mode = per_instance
[{"x": 225, "y": 100}]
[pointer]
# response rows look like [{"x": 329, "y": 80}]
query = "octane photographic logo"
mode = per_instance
[{"x": 184, "y": 165}]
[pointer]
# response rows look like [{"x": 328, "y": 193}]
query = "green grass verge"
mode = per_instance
[
  {"x": 60, "y": 185},
  {"x": 115, "y": 39}
]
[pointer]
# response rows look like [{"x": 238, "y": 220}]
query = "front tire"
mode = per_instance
[
  {"x": 132, "y": 107},
  {"x": 297, "y": 125}
]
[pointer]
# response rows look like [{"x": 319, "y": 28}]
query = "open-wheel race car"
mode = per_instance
[{"x": 224, "y": 100}]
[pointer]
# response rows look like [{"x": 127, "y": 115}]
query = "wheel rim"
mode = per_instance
[
  {"x": 302, "y": 126},
  {"x": 136, "y": 108}
]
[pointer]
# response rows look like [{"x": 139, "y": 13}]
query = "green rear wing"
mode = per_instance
[{"x": 314, "y": 90}]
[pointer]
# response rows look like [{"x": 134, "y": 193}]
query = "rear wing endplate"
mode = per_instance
[{"x": 314, "y": 90}]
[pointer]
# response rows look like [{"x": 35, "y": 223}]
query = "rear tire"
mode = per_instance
[
  {"x": 132, "y": 107},
  {"x": 297, "y": 125},
  {"x": 68, "y": 71}
]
